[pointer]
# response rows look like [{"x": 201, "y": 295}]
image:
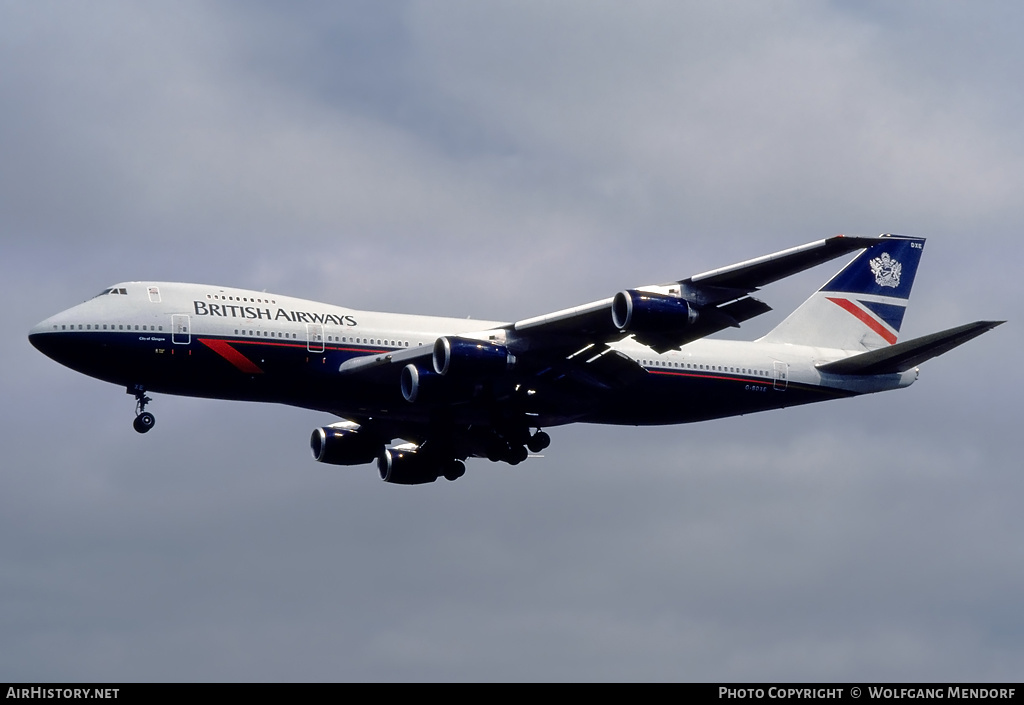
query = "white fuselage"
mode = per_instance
[{"x": 128, "y": 338}]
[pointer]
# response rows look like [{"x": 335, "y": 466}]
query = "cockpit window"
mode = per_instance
[{"x": 113, "y": 290}]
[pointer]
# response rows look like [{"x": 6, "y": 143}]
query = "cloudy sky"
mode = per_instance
[{"x": 501, "y": 160}]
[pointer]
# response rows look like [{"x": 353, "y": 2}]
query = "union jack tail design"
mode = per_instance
[{"x": 862, "y": 307}]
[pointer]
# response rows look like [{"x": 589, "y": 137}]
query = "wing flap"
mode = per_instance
[{"x": 712, "y": 319}]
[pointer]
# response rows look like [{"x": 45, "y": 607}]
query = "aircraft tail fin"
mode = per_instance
[
  {"x": 909, "y": 354},
  {"x": 861, "y": 307}
]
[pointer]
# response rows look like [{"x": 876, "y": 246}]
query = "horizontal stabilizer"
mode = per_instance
[{"x": 908, "y": 354}]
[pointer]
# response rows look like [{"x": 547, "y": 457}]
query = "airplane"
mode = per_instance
[{"x": 451, "y": 389}]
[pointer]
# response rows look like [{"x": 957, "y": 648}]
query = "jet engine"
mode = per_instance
[
  {"x": 463, "y": 357},
  {"x": 422, "y": 386},
  {"x": 642, "y": 311},
  {"x": 344, "y": 444},
  {"x": 406, "y": 467},
  {"x": 409, "y": 465}
]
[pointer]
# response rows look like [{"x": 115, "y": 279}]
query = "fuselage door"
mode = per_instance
[
  {"x": 181, "y": 333},
  {"x": 781, "y": 376},
  {"x": 315, "y": 337}
]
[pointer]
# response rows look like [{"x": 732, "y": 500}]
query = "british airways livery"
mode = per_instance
[{"x": 449, "y": 389}]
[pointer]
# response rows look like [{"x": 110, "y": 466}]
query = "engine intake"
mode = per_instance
[
  {"x": 344, "y": 446},
  {"x": 424, "y": 386},
  {"x": 641, "y": 311},
  {"x": 464, "y": 357}
]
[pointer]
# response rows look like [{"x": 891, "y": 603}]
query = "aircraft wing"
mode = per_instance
[
  {"x": 562, "y": 356},
  {"x": 558, "y": 367},
  {"x": 670, "y": 315},
  {"x": 369, "y": 365}
]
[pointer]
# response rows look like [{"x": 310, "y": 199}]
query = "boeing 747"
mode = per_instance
[{"x": 449, "y": 389}]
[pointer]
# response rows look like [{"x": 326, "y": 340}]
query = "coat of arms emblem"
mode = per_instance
[{"x": 886, "y": 270}]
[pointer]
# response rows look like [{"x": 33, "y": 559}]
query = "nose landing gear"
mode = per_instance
[{"x": 143, "y": 419}]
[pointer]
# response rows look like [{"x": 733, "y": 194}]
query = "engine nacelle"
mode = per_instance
[
  {"x": 406, "y": 467},
  {"x": 464, "y": 357},
  {"x": 641, "y": 311},
  {"x": 420, "y": 385},
  {"x": 424, "y": 386},
  {"x": 344, "y": 445}
]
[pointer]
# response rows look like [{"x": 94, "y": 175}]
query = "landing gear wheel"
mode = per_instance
[
  {"x": 496, "y": 450},
  {"x": 517, "y": 454},
  {"x": 454, "y": 470},
  {"x": 144, "y": 421},
  {"x": 538, "y": 442}
]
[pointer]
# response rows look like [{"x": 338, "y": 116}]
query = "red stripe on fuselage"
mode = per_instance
[
  {"x": 864, "y": 318},
  {"x": 224, "y": 349}
]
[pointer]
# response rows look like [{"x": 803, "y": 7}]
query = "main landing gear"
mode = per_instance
[
  {"x": 143, "y": 419},
  {"x": 538, "y": 441},
  {"x": 514, "y": 448},
  {"x": 453, "y": 470}
]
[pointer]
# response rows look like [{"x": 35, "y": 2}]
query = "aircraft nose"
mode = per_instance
[
  {"x": 44, "y": 338},
  {"x": 36, "y": 332}
]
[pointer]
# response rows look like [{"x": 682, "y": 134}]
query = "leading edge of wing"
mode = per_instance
[
  {"x": 381, "y": 361},
  {"x": 592, "y": 318},
  {"x": 755, "y": 273}
]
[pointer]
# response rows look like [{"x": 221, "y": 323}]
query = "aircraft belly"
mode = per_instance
[
  {"x": 287, "y": 372},
  {"x": 672, "y": 398}
]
